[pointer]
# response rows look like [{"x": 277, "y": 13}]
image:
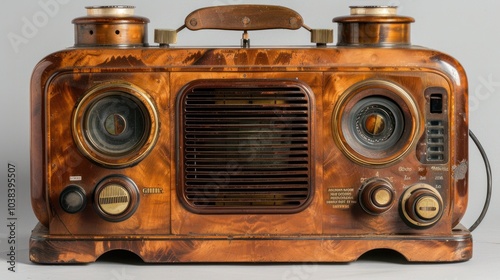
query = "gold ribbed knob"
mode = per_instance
[
  {"x": 114, "y": 199},
  {"x": 165, "y": 36},
  {"x": 422, "y": 205},
  {"x": 322, "y": 36},
  {"x": 427, "y": 207}
]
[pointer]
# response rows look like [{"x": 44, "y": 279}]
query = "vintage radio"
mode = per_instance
[{"x": 248, "y": 154}]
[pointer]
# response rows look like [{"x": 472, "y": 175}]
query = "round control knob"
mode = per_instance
[
  {"x": 422, "y": 205},
  {"x": 116, "y": 198},
  {"x": 376, "y": 196},
  {"x": 427, "y": 207},
  {"x": 73, "y": 199},
  {"x": 165, "y": 37},
  {"x": 322, "y": 36}
]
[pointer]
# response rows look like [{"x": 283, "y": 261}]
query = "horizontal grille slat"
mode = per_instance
[
  {"x": 248, "y": 187},
  {"x": 195, "y": 153},
  {"x": 238, "y": 180},
  {"x": 240, "y": 173},
  {"x": 255, "y": 162},
  {"x": 244, "y": 193},
  {"x": 223, "y": 121},
  {"x": 245, "y": 148},
  {"x": 237, "y": 127},
  {"x": 272, "y": 113},
  {"x": 222, "y": 147},
  {"x": 293, "y": 135},
  {"x": 275, "y": 168}
]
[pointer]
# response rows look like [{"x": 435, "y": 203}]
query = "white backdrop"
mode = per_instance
[{"x": 31, "y": 29}]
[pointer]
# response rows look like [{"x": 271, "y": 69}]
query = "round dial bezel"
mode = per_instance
[
  {"x": 89, "y": 145},
  {"x": 391, "y": 96}
]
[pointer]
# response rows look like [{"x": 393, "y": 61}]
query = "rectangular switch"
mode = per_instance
[{"x": 436, "y": 103}]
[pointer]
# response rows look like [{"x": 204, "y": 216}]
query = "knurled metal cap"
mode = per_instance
[
  {"x": 322, "y": 36},
  {"x": 110, "y": 11},
  {"x": 165, "y": 36}
]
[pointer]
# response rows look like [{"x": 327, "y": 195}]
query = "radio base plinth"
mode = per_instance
[{"x": 48, "y": 249}]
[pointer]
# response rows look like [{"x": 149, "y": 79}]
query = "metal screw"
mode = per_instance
[
  {"x": 193, "y": 22},
  {"x": 246, "y": 21}
]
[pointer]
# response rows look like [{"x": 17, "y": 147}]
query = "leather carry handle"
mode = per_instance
[{"x": 244, "y": 18}]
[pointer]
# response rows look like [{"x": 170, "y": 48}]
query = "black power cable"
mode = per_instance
[{"x": 489, "y": 183}]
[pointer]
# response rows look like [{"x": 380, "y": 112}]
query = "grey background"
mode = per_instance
[{"x": 468, "y": 31}]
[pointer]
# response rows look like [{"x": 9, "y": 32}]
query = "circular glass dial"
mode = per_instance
[
  {"x": 376, "y": 122},
  {"x": 116, "y": 124}
]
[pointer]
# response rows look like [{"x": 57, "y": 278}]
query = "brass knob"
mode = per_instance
[
  {"x": 165, "y": 36},
  {"x": 376, "y": 196},
  {"x": 427, "y": 207},
  {"x": 116, "y": 198},
  {"x": 422, "y": 205},
  {"x": 382, "y": 196},
  {"x": 321, "y": 36}
]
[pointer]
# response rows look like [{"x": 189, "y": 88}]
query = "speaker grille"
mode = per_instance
[{"x": 245, "y": 147}]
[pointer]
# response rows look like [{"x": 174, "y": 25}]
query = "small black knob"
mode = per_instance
[{"x": 73, "y": 199}]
